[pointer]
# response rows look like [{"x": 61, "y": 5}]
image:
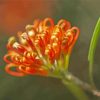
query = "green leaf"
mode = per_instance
[{"x": 93, "y": 44}]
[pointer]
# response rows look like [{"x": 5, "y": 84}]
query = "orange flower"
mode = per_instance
[{"x": 42, "y": 49}]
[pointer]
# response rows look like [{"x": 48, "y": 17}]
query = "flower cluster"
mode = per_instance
[{"x": 42, "y": 49}]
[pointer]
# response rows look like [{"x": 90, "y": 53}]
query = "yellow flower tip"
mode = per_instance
[{"x": 40, "y": 45}]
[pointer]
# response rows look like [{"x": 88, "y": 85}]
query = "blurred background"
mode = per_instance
[{"x": 16, "y": 14}]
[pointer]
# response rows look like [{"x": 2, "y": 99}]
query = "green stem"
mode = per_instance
[
  {"x": 76, "y": 90},
  {"x": 76, "y": 87}
]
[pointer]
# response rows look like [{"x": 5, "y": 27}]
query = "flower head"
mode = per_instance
[{"x": 42, "y": 49}]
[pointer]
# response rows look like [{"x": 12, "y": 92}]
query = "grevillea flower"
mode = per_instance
[{"x": 43, "y": 49}]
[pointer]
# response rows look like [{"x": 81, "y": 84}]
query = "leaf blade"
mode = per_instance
[{"x": 92, "y": 49}]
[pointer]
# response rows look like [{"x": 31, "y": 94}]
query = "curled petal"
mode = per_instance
[
  {"x": 33, "y": 71},
  {"x": 7, "y": 57},
  {"x": 14, "y": 73},
  {"x": 48, "y": 22},
  {"x": 11, "y": 41},
  {"x": 75, "y": 32},
  {"x": 65, "y": 25}
]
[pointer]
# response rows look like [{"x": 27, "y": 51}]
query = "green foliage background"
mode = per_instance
[{"x": 81, "y": 13}]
